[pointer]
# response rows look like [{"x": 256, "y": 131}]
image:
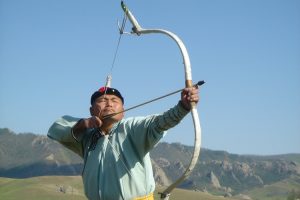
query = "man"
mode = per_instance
[{"x": 115, "y": 150}]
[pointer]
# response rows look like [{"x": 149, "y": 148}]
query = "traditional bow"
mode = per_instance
[{"x": 138, "y": 30}]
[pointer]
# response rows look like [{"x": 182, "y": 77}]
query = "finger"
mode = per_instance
[
  {"x": 194, "y": 90},
  {"x": 91, "y": 122},
  {"x": 97, "y": 121},
  {"x": 99, "y": 114}
]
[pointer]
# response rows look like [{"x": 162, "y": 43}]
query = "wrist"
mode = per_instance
[
  {"x": 77, "y": 131},
  {"x": 185, "y": 107}
]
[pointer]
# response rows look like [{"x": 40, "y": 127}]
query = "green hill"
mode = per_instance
[
  {"x": 277, "y": 191},
  {"x": 69, "y": 188},
  {"x": 45, "y": 187}
]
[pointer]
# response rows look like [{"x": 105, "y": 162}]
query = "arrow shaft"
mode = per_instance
[{"x": 150, "y": 101}]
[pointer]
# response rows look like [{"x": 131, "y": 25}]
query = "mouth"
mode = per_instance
[
  {"x": 110, "y": 115},
  {"x": 108, "y": 109},
  {"x": 107, "y": 112}
]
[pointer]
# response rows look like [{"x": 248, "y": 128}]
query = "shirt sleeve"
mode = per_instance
[
  {"x": 149, "y": 130},
  {"x": 170, "y": 118},
  {"x": 61, "y": 132}
]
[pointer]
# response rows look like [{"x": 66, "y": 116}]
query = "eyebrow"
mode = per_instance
[{"x": 105, "y": 97}]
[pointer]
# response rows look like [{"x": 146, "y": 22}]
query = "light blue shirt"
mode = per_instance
[{"x": 119, "y": 167}]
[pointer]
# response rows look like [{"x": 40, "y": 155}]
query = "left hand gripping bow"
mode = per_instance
[{"x": 137, "y": 29}]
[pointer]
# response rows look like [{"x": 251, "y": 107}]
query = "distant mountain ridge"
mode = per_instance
[{"x": 217, "y": 172}]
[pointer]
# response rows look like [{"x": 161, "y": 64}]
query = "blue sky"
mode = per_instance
[{"x": 55, "y": 54}]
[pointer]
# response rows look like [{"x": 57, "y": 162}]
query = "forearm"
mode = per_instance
[
  {"x": 170, "y": 118},
  {"x": 77, "y": 131},
  {"x": 61, "y": 132}
]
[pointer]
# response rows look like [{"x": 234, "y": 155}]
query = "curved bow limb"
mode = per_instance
[{"x": 137, "y": 29}]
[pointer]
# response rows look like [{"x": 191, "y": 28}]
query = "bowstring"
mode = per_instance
[
  {"x": 108, "y": 82},
  {"x": 121, "y": 31},
  {"x": 109, "y": 76}
]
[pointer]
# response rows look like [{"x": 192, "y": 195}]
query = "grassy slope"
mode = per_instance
[
  {"x": 47, "y": 187},
  {"x": 276, "y": 191}
]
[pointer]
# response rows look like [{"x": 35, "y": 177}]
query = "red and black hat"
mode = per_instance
[{"x": 106, "y": 90}]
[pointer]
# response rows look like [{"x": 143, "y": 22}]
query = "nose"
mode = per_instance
[{"x": 109, "y": 102}]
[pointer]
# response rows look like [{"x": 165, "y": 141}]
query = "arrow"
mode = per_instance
[{"x": 150, "y": 101}]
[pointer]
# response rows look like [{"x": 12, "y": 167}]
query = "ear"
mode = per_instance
[{"x": 91, "y": 111}]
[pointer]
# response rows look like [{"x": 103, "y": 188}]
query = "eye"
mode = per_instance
[
  {"x": 102, "y": 100},
  {"x": 115, "y": 100}
]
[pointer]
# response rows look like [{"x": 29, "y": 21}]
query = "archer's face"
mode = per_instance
[{"x": 107, "y": 104}]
